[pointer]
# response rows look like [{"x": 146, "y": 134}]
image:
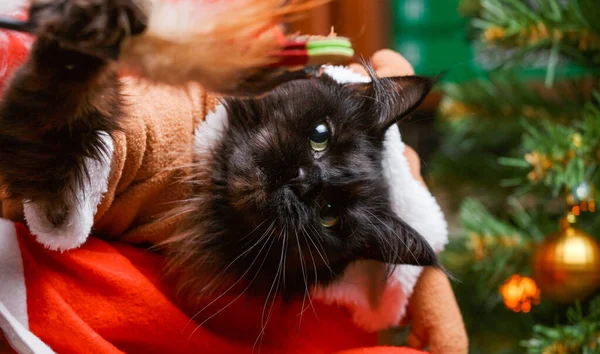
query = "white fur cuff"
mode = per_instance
[{"x": 82, "y": 206}]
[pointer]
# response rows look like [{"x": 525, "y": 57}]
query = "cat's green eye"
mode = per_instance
[
  {"x": 329, "y": 214},
  {"x": 319, "y": 138}
]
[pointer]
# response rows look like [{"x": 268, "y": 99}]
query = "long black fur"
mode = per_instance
[{"x": 254, "y": 216}]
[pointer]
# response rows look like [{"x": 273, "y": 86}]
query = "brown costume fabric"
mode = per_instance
[
  {"x": 147, "y": 162},
  {"x": 436, "y": 319}
]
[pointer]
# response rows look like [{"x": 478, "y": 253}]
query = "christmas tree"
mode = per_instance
[{"x": 518, "y": 164}]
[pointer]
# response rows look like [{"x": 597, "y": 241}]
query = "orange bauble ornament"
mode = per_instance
[
  {"x": 566, "y": 266},
  {"x": 520, "y": 293}
]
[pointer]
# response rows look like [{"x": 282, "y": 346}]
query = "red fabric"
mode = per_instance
[
  {"x": 111, "y": 298},
  {"x": 380, "y": 350},
  {"x": 14, "y": 48}
]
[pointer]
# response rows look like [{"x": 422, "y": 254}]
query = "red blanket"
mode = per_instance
[{"x": 111, "y": 298}]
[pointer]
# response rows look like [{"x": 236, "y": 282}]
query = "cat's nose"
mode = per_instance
[{"x": 306, "y": 182}]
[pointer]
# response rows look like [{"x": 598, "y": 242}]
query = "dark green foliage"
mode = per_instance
[
  {"x": 484, "y": 119},
  {"x": 496, "y": 130},
  {"x": 558, "y": 27},
  {"x": 571, "y": 149},
  {"x": 580, "y": 335}
]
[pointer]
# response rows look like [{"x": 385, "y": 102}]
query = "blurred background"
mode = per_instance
[{"x": 510, "y": 146}]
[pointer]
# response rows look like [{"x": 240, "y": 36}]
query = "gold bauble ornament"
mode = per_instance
[
  {"x": 566, "y": 266},
  {"x": 520, "y": 293}
]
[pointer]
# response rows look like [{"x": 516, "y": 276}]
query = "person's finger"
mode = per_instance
[
  {"x": 390, "y": 63},
  {"x": 386, "y": 63}
]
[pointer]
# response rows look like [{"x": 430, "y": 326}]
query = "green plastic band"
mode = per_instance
[
  {"x": 331, "y": 51},
  {"x": 328, "y": 42}
]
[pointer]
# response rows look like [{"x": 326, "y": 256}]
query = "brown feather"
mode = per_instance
[{"x": 216, "y": 45}]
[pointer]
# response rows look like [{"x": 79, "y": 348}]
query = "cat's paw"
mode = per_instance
[
  {"x": 93, "y": 25},
  {"x": 57, "y": 215}
]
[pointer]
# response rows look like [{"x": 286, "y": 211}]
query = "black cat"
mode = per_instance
[{"x": 289, "y": 196}]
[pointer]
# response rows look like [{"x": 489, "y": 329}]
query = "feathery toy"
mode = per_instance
[{"x": 230, "y": 47}]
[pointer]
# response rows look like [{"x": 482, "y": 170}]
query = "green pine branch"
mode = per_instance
[
  {"x": 490, "y": 249},
  {"x": 557, "y": 156},
  {"x": 567, "y": 28},
  {"x": 580, "y": 335},
  {"x": 557, "y": 128},
  {"x": 481, "y": 120},
  {"x": 504, "y": 98}
]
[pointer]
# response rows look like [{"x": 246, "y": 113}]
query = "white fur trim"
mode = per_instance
[
  {"x": 14, "y": 321},
  {"x": 11, "y": 7},
  {"x": 19, "y": 338},
  {"x": 344, "y": 75},
  {"x": 82, "y": 206},
  {"x": 412, "y": 202},
  {"x": 12, "y": 289},
  {"x": 210, "y": 131},
  {"x": 5, "y": 56}
]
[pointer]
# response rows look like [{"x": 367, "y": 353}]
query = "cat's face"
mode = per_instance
[{"x": 295, "y": 190}]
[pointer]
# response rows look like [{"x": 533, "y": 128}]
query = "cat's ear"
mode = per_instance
[
  {"x": 396, "y": 242},
  {"x": 391, "y": 98},
  {"x": 247, "y": 112}
]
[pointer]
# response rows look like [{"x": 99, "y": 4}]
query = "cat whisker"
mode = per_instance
[
  {"x": 315, "y": 269},
  {"x": 305, "y": 286},
  {"x": 374, "y": 99},
  {"x": 256, "y": 228},
  {"x": 391, "y": 248},
  {"x": 264, "y": 235},
  {"x": 243, "y": 275},
  {"x": 304, "y": 275},
  {"x": 302, "y": 310},
  {"x": 179, "y": 212},
  {"x": 184, "y": 201},
  {"x": 277, "y": 279},
  {"x": 405, "y": 122},
  {"x": 285, "y": 241},
  {"x": 245, "y": 289},
  {"x": 324, "y": 258},
  {"x": 398, "y": 237},
  {"x": 318, "y": 241},
  {"x": 324, "y": 254}
]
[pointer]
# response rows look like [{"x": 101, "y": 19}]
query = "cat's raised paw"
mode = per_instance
[{"x": 92, "y": 25}]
